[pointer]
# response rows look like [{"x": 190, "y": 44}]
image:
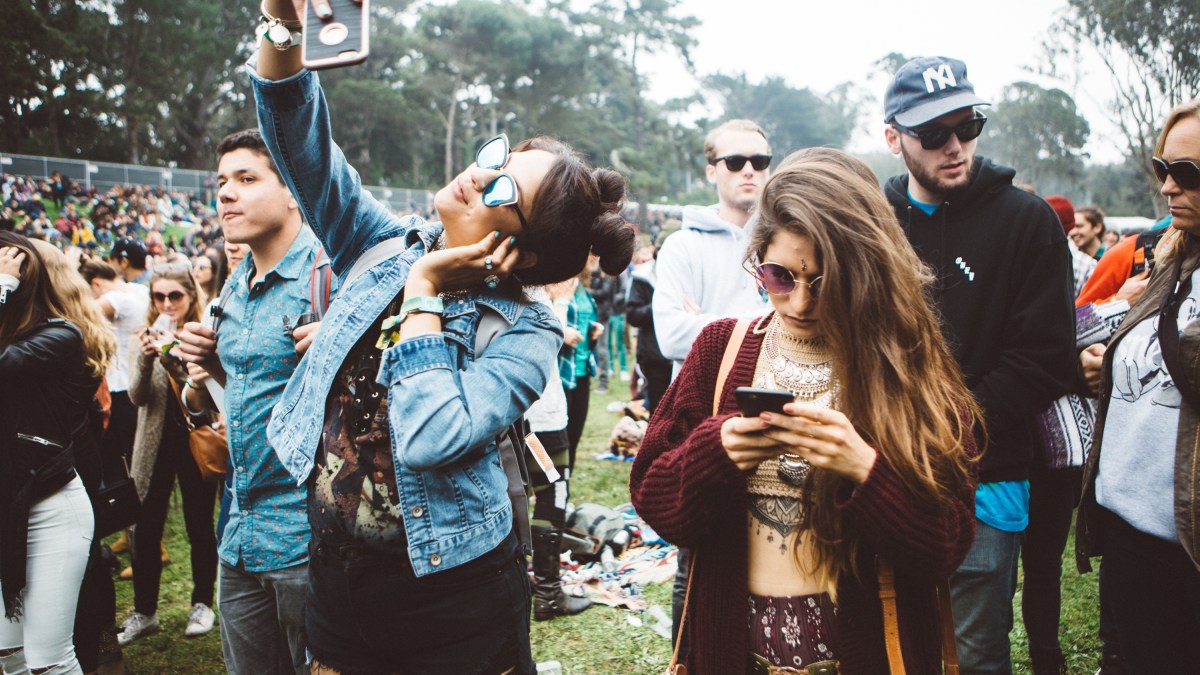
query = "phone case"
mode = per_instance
[
  {"x": 752, "y": 402},
  {"x": 342, "y": 41}
]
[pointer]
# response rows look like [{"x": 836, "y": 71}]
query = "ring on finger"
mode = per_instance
[
  {"x": 491, "y": 281},
  {"x": 489, "y": 264}
]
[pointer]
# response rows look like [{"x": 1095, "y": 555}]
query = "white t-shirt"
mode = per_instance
[
  {"x": 131, "y": 305},
  {"x": 1136, "y": 479}
]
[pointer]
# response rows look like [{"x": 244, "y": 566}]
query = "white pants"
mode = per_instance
[{"x": 60, "y": 534}]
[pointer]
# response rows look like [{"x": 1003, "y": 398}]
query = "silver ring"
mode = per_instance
[
  {"x": 488, "y": 263},
  {"x": 492, "y": 281}
]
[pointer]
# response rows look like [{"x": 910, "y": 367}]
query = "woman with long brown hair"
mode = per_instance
[
  {"x": 161, "y": 453},
  {"x": 789, "y": 512},
  {"x": 48, "y": 379}
]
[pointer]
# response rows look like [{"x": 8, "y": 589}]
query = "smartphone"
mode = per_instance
[
  {"x": 343, "y": 40},
  {"x": 751, "y": 402}
]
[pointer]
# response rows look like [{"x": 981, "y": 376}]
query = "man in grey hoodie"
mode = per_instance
[{"x": 699, "y": 269}]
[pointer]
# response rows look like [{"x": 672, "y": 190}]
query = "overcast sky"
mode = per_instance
[{"x": 821, "y": 44}]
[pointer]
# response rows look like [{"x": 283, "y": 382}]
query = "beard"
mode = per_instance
[{"x": 929, "y": 180}]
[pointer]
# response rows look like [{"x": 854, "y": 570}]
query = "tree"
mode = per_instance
[
  {"x": 1148, "y": 48},
  {"x": 1040, "y": 133},
  {"x": 793, "y": 118}
]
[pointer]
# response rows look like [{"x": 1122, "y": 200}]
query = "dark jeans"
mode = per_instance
[
  {"x": 658, "y": 378},
  {"x": 367, "y": 613},
  {"x": 577, "y": 411},
  {"x": 1154, "y": 591},
  {"x": 199, "y": 498},
  {"x": 1052, "y": 498},
  {"x": 117, "y": 443}
]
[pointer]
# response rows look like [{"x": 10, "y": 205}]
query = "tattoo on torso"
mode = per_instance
[{"x": 780, "y": 514}]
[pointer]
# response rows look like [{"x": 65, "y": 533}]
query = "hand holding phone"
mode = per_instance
[{"x": 336, "y": 33}]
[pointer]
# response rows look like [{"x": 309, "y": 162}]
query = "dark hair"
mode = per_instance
[
  {"x": 1093, "y": 215},
  {"x": 35, "y": 301},
  {"x": 132, "y": 251},
  {"x": 247, "y": 139},
  {"x": 576, "y": 211},
  {"x": 97, "y": 269}
]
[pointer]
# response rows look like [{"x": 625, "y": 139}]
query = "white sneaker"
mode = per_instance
[
  {"x": 200, "y": 621},
  {"x": 137, "y": 626}
]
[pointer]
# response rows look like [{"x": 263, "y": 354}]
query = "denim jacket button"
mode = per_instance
[
  {"x": 435, "y": 559},
  {"x": 418, "y": 511}
]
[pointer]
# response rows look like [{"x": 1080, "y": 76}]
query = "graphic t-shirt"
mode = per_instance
[{"x": 1136, "y": 480}]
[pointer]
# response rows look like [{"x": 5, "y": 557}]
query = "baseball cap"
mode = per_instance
[
  {"x": 132, "y": 250},
  {"x": 927, "y": 88},
  {"x": 1064, "y": 209}
]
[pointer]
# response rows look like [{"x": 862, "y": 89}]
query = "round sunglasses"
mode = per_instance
[
  {"x": 736, "y": 162},
  {"x": 1185, "y": 172},
  {"x": 776, "y": 279},
  {"x": 502, "y": 190},
  {"x": 933, "y": 138}
]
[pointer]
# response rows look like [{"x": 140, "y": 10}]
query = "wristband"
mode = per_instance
[
  {"x": 8, "y": 284},
  {"x": 390, "y": 329}
]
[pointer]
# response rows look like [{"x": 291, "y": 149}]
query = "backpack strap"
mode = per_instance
[
  {"x": 320, "y": 284},
  {"x": 1168, "y": 335},
  {"x": 511, "y": 443}
]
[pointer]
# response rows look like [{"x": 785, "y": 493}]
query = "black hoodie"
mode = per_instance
[{"x": 1004, "y": 292}]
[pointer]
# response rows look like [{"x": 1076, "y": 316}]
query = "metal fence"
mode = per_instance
[{"x": 104, "y": 175}]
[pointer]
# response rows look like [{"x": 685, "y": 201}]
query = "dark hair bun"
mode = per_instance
[{"x": 612, "y": 238}]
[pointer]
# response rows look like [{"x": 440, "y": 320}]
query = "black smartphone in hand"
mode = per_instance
[
  {"x": 751, "y": 402},
  {"x": 343, "y": 40}
]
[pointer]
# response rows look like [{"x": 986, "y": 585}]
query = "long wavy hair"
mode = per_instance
[
  {"x": 1177, "y": 242},
  {"x": 35, "y": 301},
  {"x": 898, "y": 383},
  {"x": 181, "y": 273},
  {"x": 80, "y": 308}
]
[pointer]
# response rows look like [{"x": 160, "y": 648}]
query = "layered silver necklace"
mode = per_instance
[{"x": 804, "y": 367}]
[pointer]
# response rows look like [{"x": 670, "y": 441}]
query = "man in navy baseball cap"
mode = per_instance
[{"x": 1004, "y": 291}]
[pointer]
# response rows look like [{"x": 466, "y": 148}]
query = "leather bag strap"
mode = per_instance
[
  {"x": 731, "y": 351},
  {"x": 1168, "y": 336},
  {"x": 891, "y": 618},
  {"x": 891, "y": 621}
]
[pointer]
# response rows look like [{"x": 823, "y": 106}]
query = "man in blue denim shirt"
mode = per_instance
[{"x": 264, "y": 553}]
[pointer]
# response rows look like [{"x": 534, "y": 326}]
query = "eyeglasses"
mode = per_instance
[
  {"x": 1185, "y": 172},
  {"x": 167, "y": 268},
  {"x": 736, "y": 162},
  {"x": 173, "y": 296},
  {"x": 778, "y": 280},
  {"x": 502, "y": 191},
  {"x": 935, "y": 137}
]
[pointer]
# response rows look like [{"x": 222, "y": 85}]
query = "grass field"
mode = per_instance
[{"x": 600, "y": 641}]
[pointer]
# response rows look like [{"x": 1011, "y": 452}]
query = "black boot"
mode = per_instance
[
  {"x": 1047, "y": 662},
  {"x": 549, "y": 601}
]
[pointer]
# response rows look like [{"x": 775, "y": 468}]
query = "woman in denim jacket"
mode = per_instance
[{"x": 391, "y": 417}]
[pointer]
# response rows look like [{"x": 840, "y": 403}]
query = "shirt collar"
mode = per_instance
[{"x": 295, "y": 262}]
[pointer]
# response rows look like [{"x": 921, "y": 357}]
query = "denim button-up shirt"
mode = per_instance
[
  {"x": 268, "y": 526},
  {"x": 446, "y": 404}
]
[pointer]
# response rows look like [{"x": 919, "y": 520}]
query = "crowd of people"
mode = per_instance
[{"x": 857, "y": 433}]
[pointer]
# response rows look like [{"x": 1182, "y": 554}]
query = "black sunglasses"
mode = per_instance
[
  {"x": 1185, "y": 172},
  {"x": 502, "y": 190},
  {"x": 933, "y": 138},
  {"x": 736, "y": 162},
  {"x": 173, "y": 296}
]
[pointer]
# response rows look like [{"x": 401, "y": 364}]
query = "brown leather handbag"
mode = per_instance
[{"x": 208, "y": 442}]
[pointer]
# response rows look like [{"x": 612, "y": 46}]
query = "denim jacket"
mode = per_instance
[{"x": 446, "y": 405}]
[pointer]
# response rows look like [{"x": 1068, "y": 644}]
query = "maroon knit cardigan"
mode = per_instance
[{"x": 689, "y": 491}]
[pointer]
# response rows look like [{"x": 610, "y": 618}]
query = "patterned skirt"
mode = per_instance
[{"x": 795, "y": 631}]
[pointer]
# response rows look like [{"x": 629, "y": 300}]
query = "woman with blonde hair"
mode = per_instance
[
  {"x": 1139, "y": 509},
  {"x": 789, "y": 513},
  {"x": 48, "y": 378},
  {"x": 161, "y": 453}
]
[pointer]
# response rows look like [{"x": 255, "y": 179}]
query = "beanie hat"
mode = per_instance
[{"x": 1065, "y": 210}]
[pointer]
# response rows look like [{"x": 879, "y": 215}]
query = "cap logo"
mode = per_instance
[{"x": 943, "y": 76}]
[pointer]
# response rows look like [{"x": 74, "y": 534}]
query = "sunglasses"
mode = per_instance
[
  {"x": 173, "y": 296},
  {"x": 736, "y": 162},
  {"x": 1185, "y": 172},
  {"x": 934, "y": 138},
  {"x": 778, "y": 280},
  {"x": 502, "y": 191}
]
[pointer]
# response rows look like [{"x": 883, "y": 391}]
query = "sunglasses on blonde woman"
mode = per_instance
[
  {"x": 173, "y": 296},
  {"x": 1185, "y": 172}
]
